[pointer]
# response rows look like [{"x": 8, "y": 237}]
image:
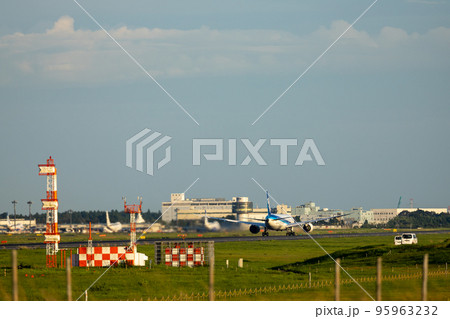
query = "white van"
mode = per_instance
[
  {"x": 397, "y": 240},
  {"x": 409, "y": 238}
]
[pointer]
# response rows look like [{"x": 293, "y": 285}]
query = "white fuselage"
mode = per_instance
[
  {"x": 279, "y": 222},
  {"x": 112, "y": 228}
]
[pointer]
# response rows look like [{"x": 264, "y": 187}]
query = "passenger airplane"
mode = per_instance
[
  {"x": 111, "y": 228},
  {"x": 10, "y": 226},
  {"x": 277, "y": 222}
]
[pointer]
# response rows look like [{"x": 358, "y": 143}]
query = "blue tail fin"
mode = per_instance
[{"x": 268, "y": 204}]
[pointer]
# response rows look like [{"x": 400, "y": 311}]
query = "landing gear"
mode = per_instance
[
  {"x": 265, "y": 232},
  {"x": 290, "y": 232}
]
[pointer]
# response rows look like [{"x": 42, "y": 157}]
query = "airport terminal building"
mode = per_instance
[
  {"x": 240, "y": 208},
  {"x": 310, "y": 211}
]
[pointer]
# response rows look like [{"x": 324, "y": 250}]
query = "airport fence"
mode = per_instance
[{"x": 231, "y": 294}]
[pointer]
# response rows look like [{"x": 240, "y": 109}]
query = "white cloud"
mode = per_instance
[
  {"x": 63, "y": 25},
  {"x": 428, "y": 2},
  {"x": 64, "y": 53}
]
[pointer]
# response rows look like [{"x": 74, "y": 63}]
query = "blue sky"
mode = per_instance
[{"x": 376, "y": 104}]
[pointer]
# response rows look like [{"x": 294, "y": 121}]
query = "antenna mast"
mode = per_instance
[
  {"x": 132, "y": 210},
  {"x": 50, "y": 205}
]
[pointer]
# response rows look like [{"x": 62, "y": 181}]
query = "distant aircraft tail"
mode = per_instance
[
  {"x": 108, "y": 223},
  {"x": 140, "y": 219},
  {"x": 7, "y": 220},
  {"x": 268, "y": 204}
]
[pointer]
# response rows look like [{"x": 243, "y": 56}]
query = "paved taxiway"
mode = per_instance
[{"x": 215, "y": 239}]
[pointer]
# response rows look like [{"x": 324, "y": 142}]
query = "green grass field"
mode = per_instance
[{"x": 266, "y": 264}]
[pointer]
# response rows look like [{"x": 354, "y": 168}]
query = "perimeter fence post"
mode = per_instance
[
  {"x": 15, "y": 290},
  {"x": 69, "y": 279},
  {"x": 379, "y": 277},
  {"x": 337, "y": 279},
  {"x": 425, "y": 277},
  {"x": 211, "y": 270}
]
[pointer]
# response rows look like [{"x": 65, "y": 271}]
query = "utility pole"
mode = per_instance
[
  {"x": 29, "y": 210},
  {"x": 90, "y": 251},
  {"x": 14, "y": 202}
]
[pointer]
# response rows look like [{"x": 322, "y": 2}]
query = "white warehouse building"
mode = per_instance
[{"x": 383, "y": 215}]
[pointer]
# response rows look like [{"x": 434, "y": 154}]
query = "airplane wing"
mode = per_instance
[
  {"x": 230, "y": 220},
  {"x": 260, "y": 224},
  {"x": 262, "y": 220},
  {"x": 301, "y": 223}
]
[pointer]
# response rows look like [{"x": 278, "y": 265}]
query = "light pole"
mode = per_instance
[
  {"x": 14, "y": 202},
  {"x": 29, "y": 210}
]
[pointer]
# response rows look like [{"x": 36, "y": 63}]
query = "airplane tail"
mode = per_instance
[
  {"x": 140, "y": 219},
  {"x": 7, "y": 220},
  {"x": 206, "y": 218},
  {"x": 108, "y": 223},
  {"x": 213, "y": 226},
  {"x": 268, "y": 204}
]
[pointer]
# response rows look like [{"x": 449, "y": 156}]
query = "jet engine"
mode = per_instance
[
  {"x": 254, "y": 229},
  {"x": 308, "y": 228}
]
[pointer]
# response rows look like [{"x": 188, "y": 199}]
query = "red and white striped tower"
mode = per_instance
[
  {"x": 132, "y": 210},
  {"x": 50, "y": 204}
]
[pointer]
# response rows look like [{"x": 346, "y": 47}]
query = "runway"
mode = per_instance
[{"x": 215, "y": 239}]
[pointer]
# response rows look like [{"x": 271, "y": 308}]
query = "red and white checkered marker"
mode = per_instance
[{"x": 106, "y": 256}]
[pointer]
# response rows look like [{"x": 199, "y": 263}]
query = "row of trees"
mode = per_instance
[
  {"x": 405, "y": 219},
  {"x": 419, "y": 218},
  {"x": 84, "y": 217}
]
